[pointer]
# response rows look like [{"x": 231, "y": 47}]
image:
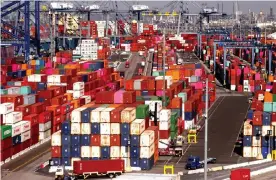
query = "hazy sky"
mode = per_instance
[{"x": 255, "y": 6}]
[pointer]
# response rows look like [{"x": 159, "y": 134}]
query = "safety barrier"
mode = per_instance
[
  {"x": 259, "y": 161},
  {"x": 218, "y": 168},
  {"x": 235, "y": 166},
  {"x": 196, "y": 171}
]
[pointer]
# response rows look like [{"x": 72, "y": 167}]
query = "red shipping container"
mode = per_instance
[
  {"x": 25, "y": 109},
  {"x": 35, "y": 139},
  {"x": 164, "y": 134},
  {"x": 38, "y": 108},
  {"x": 35, "y": 130},
  {"x": 48, "y": 94},
  {"x": 57, "y": 120},
  {"x": 33, "y": 118},
  {"x": 159, "y": 84},
  {"x": 115, "y": 115},
  {"x": 99, "y": 166},
  {"x": 57, "y": 90},
  {"x": 6, "y": 143},
  {"x": 105, "y": 97},
  {"x": 16, "y": 149},
  {"x": 188, "y": 106},
  {"x": 258, "y": 118},
  {"x": 240, "y": 174},
  {"x": 57, "y": 100},
  {"x": 129, "y": 85},
  {"x": 56, "y": 151},
  {"x": 55, "y": 109},
  {"x": 176, "y": 103},
  {"x": 115, "y": 140},
  {"x": 45, "y": 117},
  {"x": 129, "y": 97},
  {"x": 95, "y": 140},
  {"x": 273, "y": 117},
  {"x": 7, "y": 153},
  {"x": 26, "y": 144},
  {"x": 17, "y": 100}
]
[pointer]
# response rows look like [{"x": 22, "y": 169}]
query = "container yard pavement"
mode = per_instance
[{"x": 225, "y": 120}]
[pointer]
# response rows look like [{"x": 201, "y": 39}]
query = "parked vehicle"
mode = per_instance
[
  {"x": 194, "y": 162},
  {"x": 175, "y": 148},
  {"x": 84, "y": 169}
]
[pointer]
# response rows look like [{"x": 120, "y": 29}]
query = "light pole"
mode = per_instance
[
  {"x": 269, "y": 133},
  {"x": 206, "y": 131}
]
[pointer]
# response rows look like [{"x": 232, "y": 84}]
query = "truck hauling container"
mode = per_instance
[
  {"x": 194, "y": 162},
  {"x": 84, "y": 169}
]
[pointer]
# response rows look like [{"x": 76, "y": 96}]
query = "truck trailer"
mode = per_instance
[{"x": 85, "y": 168}]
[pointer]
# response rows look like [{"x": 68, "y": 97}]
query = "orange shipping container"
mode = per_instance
[{"x": 268, "y": 97}]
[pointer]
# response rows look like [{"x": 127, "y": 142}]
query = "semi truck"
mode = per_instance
[
  {"x": 194, "y": 162},
  {"x": 175, "y": 147},
  {"x": 85, "y": 168}
]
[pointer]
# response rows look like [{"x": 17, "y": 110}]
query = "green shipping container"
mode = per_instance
[
  {"x": 173, "y": 134},
  {"x": 173, "y": 128},
  {"x": 274, "y": 97},
  {"x": 174, "y": 118},
  {"x": 155, "y": 73},
  {"x": 142, "y": 111},
  {"x": 37, "y": 71},
  {"x": 6, "y": 131},
  {"x": 4, "y": 92},
  {"x": 25, "y": 90}
]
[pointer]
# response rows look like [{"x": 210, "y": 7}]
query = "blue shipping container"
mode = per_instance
[
  {"x": 56, "y": 161},
  {"x": 265, "y": 152},
  {"x": 75, "y": 151},
  {"x": 266, "y": 119},
  {"x": 125, "y": 129},
  {"x": 105, "y": 152},
  {"x": 65, "y": 151},
  {"x": 247, "y": 141},
  {"x": 16, "y": 140},
  {"x": 66, "y": 127},
  {"x": 250, "y": 114},
  {"x": 135, "y": 162},
  {"x": 85, "y": 115},
  {"x": 41, "y": 86},
  {"x": 95, "y": 128},
  {"x": 125, "y": 140},
  {"x": 66, "y": 161},
  {"x": 256, "y": 130},
  {"x": 134, "y": 152},
  {"x": 188, "y": 116},
  {"x": 135, "y": 140},
  {"x": 75, "y": 139},
  {"x": 146, "y": 164},
  {"x": 85, "y": 140},
  {"x": 65, "y": 139}
]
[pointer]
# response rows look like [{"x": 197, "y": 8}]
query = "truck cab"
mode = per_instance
[{"x": 193, "y": 162}]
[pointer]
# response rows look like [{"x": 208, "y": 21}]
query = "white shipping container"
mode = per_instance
[
  {"x": 45, "y": 126},
  {"x": 14, "y": 90},
  {"x": 31, "y": 78},
  {"x": 78, "y": 93},
  {"x": 76, "y": 115},
  {"x": 124, "y": 152},
  {"x": 152, "y": 105},
  {"x": 147, "y": 138},
  {"x": 37, "y": 77},
  {"x": 247, "y": 151},
  {"x": 115, "y": 151},
  {"x": 147, "y": 152},
  {"x": 137, "y": 84},
  {"x": 233, "y": 87},
  {"x": 247, "y": 129},
  {"x": 128, "y": 115},
  {"x": 16, "y": 129},
  {"x": 115, "y": 128},
  {"x": 189, "y": 124},
  {"x": 25, "y": 126},
  {"x": 256, "y": 151},
  {"x": 256, "y": 141},
  {"x": 12, "y": 117},
  {"x": 6, "y": 108},
  {"x": 85, "y": 151},
  {"x": 45, "y": 134},
  {"x": 164, "y": 125},
  {"x": 25, "y": 136},
  {"x": 165, "y": 115},
  {"x": 95, "y": 151},
  {"x": 56, "y": 139},
  {"x": 87, "y": 99},
  {"x": 137, "y": 126},
  {"x": 105, "y": 140},
  {"x": 75, "y": 128},
  {"x": 163, "y": 143},
  {"x": 105, "y": 128},
  {"x": 265, "y": 129},
  {"x": 85, "y": 128},
  {"x": 105, "y": 115},
  {"x": 96, "y": 115},
  {"x": 78, "y": 86}
]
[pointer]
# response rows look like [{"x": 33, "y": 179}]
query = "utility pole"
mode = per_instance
[{"x": 206, "y": 131}]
